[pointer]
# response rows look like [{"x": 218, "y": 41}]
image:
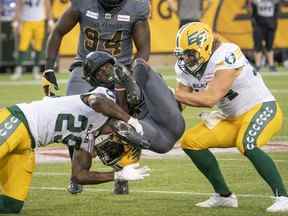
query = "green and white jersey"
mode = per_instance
[
  {"x": 63, "y": 119},
  {"x": 33, "y": 10},
  {"x": 247, "y": 90}
]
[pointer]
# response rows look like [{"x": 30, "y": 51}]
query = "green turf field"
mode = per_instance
[
  {"x": 174, "y": 185},
  {"x": 172, "y": 189}
]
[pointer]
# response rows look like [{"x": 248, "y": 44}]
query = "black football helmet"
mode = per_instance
[
  {"x": 91, "y": 67},
  {"x": 110, "y": 4}
]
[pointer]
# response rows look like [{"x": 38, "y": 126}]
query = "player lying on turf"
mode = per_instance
[
  {"x": 211, "y": 73},
  {"x": 62, "y": 120}
]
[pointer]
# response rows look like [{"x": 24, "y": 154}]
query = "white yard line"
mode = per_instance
[{"x": 190, "y": 193}]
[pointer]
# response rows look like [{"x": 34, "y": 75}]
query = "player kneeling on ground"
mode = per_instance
[
  {"x": 212, "y": 73},
  {"x": 63, "y": 120}
]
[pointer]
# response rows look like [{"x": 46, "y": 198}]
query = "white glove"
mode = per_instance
[
  {"x": 132, "y": 172},
  {"x": 211, "y": 119},
  {"x": 136, "y": 125}
]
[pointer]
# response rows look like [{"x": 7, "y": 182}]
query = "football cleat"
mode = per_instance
[
  {"x": 123, "y": 77},
  {"x": 219, "y": 201},
  {"x": 280, "y": 205},
  {"x": 74, "y": 188},
  {"x": 17, "y": 74}
]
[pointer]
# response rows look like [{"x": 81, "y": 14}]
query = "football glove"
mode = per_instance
[
  {"x": 49, "y": 79},
  {"x": 136, "y": 125},
  {"x": 132, "y": 172}
]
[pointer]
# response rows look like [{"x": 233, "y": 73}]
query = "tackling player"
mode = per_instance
[
  {"x": 148, "y": 98},
  {"x": 29, "y": 23},
  {"x": 111, "y": 25},
  {"x": 64, "y": 120},
  {"x": 211, "y": 73}
]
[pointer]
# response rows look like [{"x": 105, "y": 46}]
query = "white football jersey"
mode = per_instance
[
  {"x": 247, "y": 90},
  {"x": 33, "y": 10},
  {"x": 63, "y": 119}
]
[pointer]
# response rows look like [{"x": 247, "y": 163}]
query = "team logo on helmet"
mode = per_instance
[{"x": 198, "y": 38}]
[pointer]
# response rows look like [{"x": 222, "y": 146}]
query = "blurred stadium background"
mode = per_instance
[{"x": 175, "y": 185}]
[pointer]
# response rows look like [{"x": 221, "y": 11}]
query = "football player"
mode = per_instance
[
  {"x": 211, "y": 73},
  {"x": 110, "y": 25},
  {"x": 29, "y": 23},
  {"x": 148, "y": 98},
  {"x": 63, "y": 120}
]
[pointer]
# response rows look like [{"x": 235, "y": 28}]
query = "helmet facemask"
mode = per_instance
[
  {"x": 102, "y": 76},
  {"x": 110, "y": 147},
  {"x": 191, "y": 58},
  {"x": 105, "y": 75}
]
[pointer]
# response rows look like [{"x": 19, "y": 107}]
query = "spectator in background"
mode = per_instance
[
  {"x": 29, "y": 24},
  {"x": 264, "y": 16},
  {"x": 186, "y": 10}
]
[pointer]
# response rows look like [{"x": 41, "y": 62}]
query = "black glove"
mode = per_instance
[{"x": 49, "y": 79}]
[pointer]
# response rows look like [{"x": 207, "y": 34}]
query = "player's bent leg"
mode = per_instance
[
  {"x": 196, "y": 143},
  {"x": 261, "y": 123},
  {"x": 162, "y": 107},
  {"x": 160, "y": 102},
  {"x": 9, "y": 205}
]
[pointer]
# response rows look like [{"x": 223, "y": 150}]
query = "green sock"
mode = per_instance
[
  {"x": 20, "y": 58},
  {"x": 208, "y": 165},
  {"x": 10, "y": 205},
  {"x": 37, "y": 58},
  {"x": 267, "y": 169}
]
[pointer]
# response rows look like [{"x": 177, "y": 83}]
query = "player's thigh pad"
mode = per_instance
[
  {"x": 16, "y": 156},
  {"x": 223, "y": 135},
  {"x": 26, "y": 33},
  {"x": 16, "y": 174},
  {"x": 259, "y": 125}
]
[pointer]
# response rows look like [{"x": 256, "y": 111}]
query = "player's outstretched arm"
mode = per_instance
[
  {"x": 67, "y": 21},
  {"x": 81, "y": 164}
]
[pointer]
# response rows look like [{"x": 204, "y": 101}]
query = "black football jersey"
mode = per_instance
[{"x": 110, "y": 31}]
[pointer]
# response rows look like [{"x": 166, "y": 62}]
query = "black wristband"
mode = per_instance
[{"x": 50, "y": 63}]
